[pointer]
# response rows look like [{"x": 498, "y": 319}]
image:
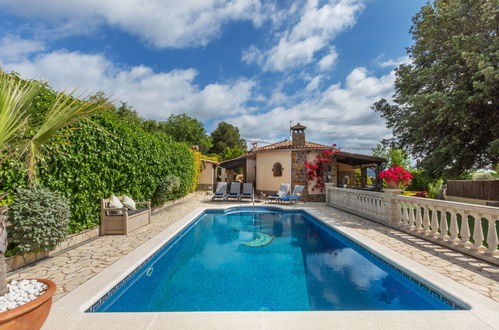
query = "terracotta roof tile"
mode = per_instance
[{"x": 289, "y": 145}]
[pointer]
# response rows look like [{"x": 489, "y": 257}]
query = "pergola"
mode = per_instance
[
  {"x": 231, "y": 165},
  {"x": 362, "y": 162}
]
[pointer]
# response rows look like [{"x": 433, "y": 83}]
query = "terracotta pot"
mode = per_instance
[
  {"x": 392, "y": 184},
  {"x": 31, "y": 315}
]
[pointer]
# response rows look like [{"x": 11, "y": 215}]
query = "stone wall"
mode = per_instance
[
  {"x": 319, "y": 198},
  {"x": 19, "y": 261},
  {"x": 299, "y": 174},
  {"x": 204, "y": 187}
]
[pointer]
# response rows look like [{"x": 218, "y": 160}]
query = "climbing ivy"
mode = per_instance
[{"x": 108, "y": 155}]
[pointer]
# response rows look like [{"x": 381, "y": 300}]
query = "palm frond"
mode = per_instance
[
  {"x": 15, "y": 98},
  {"x": 64, "y": 112}
]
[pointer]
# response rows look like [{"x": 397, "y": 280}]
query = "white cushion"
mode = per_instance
[
  {"x": 129, "y": 203},
  {"x": 114, "y": 202}
]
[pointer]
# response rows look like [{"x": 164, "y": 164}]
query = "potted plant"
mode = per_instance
[
  {"x": 26, "y": 139},
  {"x": 396, "y": 176}
]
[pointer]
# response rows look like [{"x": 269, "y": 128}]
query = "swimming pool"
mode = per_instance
[{"x": 267, "y": 260}]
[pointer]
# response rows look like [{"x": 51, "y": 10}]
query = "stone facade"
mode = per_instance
[
  {"x": 298, "y": 138},
  {"x": 318, "y": 198},
  {"x": 204, "y": 187},
  {"x": 299, "y": 174}
]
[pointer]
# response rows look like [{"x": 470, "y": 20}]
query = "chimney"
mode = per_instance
[{"x": 298, "y": 135}]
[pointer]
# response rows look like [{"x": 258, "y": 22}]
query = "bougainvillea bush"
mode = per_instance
[
  {"x": 397, "y": 175},
  {"x": 315, "y": 168}
]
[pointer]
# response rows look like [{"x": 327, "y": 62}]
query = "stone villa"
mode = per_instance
[{"x": 284, "y": 162}]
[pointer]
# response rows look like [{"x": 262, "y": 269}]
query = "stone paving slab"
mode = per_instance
[{"x": 72, "y": 268}]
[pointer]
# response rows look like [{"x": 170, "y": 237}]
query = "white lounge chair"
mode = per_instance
[
  {"x": 295, "y": 195},
  {"x": 221, "y": 192},
  {"x": 247, "y": 192},
  {"x": 283, "y": 191},
  {"x": 235, "y": 191}
]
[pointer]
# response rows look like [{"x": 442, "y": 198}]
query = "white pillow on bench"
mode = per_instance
[
  {"x": 129, "y": 203},
  {"x": 114, "y": 202}
]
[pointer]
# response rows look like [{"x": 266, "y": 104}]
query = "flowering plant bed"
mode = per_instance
[{"x": 396, "y": 176}]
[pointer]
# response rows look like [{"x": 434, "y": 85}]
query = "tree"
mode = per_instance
[
  {"x": 392, "y": 154},
  {"x": 226, "y": 135},
  {"x": 446, "y": 99},
  {"x": 17, "y": 139},
  {"x": 230, "y": 153},
  {"x": 183, "y": 128}
]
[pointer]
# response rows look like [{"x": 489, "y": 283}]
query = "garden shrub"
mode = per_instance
[
  {"x": 39, "y": 219},
  {"x": 434, "y": 188},
  {"x": 420, "y": 181},
  {"x": 114, "y": 156},
  {"x": 482, "y": 176},
  {"x": 197, "y": 166},
  {"x": 165, "y": 190},
  {"x": 109, "y": 155}
]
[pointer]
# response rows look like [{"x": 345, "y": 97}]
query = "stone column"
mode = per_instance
[
  {"x": 299, "y": 174},
  {"x": 334, "y": 172},
  {"x": 391, "y": 208}
]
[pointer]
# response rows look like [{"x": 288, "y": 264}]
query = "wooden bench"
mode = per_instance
[{"x": 122, "y": 221}]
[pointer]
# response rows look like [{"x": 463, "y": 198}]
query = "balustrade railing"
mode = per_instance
[
  {"x": 469, "y": 228},
  {"x": 367, "y": 204}
]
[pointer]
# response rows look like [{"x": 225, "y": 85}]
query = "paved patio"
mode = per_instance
[{"x": 71, "y": 268}]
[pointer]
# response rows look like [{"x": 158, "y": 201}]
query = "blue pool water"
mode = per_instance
[{"x": 272, "y": 260}]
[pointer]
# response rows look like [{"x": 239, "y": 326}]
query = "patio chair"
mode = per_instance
[
  {"x": 283, "y": 191},
  {"x": 221, "y": 192},
  {"x": 296, "y": 195},
  {"x": 247, "y": 192},
  {"x": 235, "y": 191}
]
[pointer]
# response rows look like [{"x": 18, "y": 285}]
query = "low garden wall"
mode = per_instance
[
  {"x": 18, "y": 261},
  {"x": 468, "y": 228}
]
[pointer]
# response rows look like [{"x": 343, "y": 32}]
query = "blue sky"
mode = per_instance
[{"x": 256, "y": 64}]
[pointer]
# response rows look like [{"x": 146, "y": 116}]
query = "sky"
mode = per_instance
[{"x": 257, "y": 64}]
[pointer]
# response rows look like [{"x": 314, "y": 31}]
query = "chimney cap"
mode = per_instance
[{"x": 298, "y": 126}]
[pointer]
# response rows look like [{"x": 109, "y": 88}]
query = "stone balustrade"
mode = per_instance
[
  {"x": 468, "y": 228},
  {"x": 367, "y": 204}
]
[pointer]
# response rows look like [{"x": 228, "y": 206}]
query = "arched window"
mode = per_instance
[{"x": 277, "y": 169}]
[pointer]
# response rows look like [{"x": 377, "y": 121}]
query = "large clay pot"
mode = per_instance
[{"x": 31, "y": 315}]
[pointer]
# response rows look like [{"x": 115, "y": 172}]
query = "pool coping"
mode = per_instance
[{"x": 69, "y": 311}]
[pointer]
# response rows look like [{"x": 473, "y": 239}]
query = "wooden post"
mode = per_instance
[{"x": 363, "y": 177}]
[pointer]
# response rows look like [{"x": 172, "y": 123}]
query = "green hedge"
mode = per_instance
[{"x": 108, "y": 155}]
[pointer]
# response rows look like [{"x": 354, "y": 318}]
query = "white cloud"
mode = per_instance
[
  {"x": 314, "y": 83},
  {"x": 316, "y": 28},
  {"x": 396, "y": 62},
  {"x": 340, "y": 114},
  {"x": 15, "y": 48},
  {"x": 161, "y": 23},
  {"x": 153, "y": 94},
  {"x": 328, "y": 60}
]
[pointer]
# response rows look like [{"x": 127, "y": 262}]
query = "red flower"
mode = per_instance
[{"x": 396, "y": 174}]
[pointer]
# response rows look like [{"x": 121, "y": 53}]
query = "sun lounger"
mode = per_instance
[
  {"x": 235, "y": 191},
  {"x": 247, "y": 192},
  {"x": 296, "y": 195},
  {"x": 221, "y": 192},
  {"x": 283, "y": 191}
]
